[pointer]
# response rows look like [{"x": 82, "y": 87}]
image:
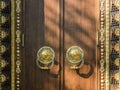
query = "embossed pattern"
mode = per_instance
[
  {"x": 115, "y": 45},
  {"x": 4, "y": 45}
]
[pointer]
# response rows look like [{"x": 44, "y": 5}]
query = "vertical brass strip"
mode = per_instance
[
  {"x": 107, "y": 43},
  {"x": 0, "y": 45},
  {"x": 18, "y": 41},
  {"x": 12, "y": 45}
]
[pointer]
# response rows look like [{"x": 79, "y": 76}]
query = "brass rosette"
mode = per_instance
[
  {"x": 117, "y": 31},
  {"x": 116, "y": 62},
  {"x": 74, "y": 57},
  {"x": 116, "y": 47},
  {"x": 3, "y": 34},
  {"x": 116, "y": 17},
  {"x": 45, "y": 57},
  {"x": 116, "y": 76},
  {"x": 3, "y": 78},
  {"x": 3, "y": 4},
  {"x": 3, "y": 63},
  {"x": 116, "y": 3},
  {"x": 2, "y": 49},
  {"x": 3, "y": 19}
]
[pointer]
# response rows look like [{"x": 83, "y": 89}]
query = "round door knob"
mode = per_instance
[
  {"x": 45, "y": 57},
  {"x": 74, "y": 57}
]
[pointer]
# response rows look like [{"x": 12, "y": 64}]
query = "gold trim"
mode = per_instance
[
  {"x": 12, "y": 45},
  {"x": 107, "y": 43},
  {"x": 18, "y": 41}
]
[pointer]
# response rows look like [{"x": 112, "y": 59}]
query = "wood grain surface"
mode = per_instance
[{"x": 59, "y": 24}]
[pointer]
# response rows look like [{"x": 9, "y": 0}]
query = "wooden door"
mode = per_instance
[{"x": 59, "y": 24}]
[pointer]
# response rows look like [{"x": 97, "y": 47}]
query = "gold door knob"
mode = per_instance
[
  {"x": 74, "y": 57},
  {"x": 45, "y": 57}
]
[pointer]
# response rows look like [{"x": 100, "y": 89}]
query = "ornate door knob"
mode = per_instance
[
  {"x": 45, "y": 57},
  {"x": 74, "y": 57}
]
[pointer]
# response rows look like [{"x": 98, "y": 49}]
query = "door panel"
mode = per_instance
[
  {"x": 60, "y": 25},
  {"x": 80, "y": 30},
  {"x": 41, "y": 29}
]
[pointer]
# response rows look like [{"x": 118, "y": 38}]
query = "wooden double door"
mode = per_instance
[{"x": 60, "y": 24}]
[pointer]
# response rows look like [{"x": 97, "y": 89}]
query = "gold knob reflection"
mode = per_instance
[
  {"x": 75, "y": 54},
  {"x": 45, "y": 55}
]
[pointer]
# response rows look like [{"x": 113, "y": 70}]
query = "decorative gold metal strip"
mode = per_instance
[
  {"x": 18, "y": 41},
  {"x": 107, "y": 43},
  {"x": 12, "y": 45},
  {"x": 0, "y": 52},
  {"x": 102, "y": 41}
]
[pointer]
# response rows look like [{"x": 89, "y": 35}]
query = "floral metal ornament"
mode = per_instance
[{"x": 3, "y": 4}]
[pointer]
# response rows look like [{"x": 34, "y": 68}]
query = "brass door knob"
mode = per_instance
[
  {"x": 45, "y": 57},
  {"x": 74, "y": 57}
]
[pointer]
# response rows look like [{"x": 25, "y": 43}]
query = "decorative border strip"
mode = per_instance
[
  {"x": 12, "y": 45},
  {"x": 0, "y": 52},
  {"x": 107, "y": 43},
  {"x": 18, "y": 41},
  {"x": 102, "y": 39}
]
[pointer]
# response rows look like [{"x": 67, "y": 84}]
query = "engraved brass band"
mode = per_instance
[
  {"x": 102, "y": 41},
  {"x": 0, "y": 49},
  {"x": 13, "y": 78},
  {"x": 45, "y": 57},
  {"x": 74, "y": 57},
  {"x": 107, "y": 44},
  {"x": 18, "y": 42}
]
